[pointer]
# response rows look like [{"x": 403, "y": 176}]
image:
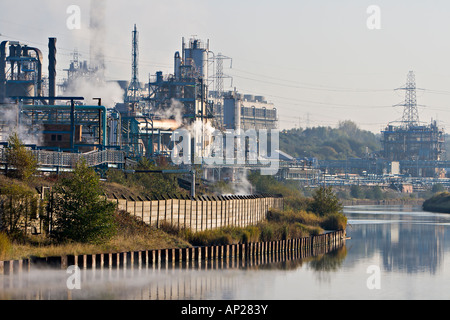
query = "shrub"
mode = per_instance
[
  {"x": 438, "y": 203},
  {"x": 82, "y": 214},
  {"x": 267, "y": 232},
  {"x": 335, "y": 221},
  {"x": 21, "y": 159},
  {"x": 325, "y": 202},
  {"x": 15, "y": 209}
]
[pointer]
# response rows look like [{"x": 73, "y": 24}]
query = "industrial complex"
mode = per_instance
[{"x": 60, "y": 124}]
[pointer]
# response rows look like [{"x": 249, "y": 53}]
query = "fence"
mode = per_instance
[
  {"x": 231, "y": 255},
  {"x": 65, "y": 159},
  {"x": 203, "y": 212}
]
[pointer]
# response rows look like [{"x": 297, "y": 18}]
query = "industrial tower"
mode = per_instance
[
  {"x": 134, "y": 86},
  {"x": 412, "y": 142},
  {"x": 410, "y": 110}
]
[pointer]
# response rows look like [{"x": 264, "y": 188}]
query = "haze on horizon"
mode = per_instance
[{"x": 317, "y": 61}]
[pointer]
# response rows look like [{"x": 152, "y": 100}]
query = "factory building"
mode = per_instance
[
  {"x": 74, "y": 121},
  {"x": 414, "y": 143},
  {"x": 244, "y": 111},
  {"x": 20, "y": 70},
  {"x": 411, "y": 141}
]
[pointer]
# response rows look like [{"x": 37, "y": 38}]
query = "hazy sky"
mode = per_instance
[{"x": 315, "y": 58}]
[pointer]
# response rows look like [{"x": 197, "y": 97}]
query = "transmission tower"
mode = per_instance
[
  {"x": 410, "y": 110},
  {"x": 134, "y": 87},
  {"x": 219, "y": 74}
]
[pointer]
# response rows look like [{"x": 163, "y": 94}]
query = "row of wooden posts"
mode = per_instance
[{"x": 166, "y": 257}]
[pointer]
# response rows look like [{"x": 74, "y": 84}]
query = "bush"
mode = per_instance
[
  {"x": 291, "y": 216},
  {"x": 21, "y": 159},
  {"x": 335, "y": 221},
  {"x": 438, "y": 203},
  {"x": 15, "y": 209},
  {"x": 82, "y": 214},
  {"x": 325, "y": 202}
]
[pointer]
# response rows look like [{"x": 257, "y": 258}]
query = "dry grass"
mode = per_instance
[
  {"x": 133, "y": 235},
  {"x": 156, "y": 240}
]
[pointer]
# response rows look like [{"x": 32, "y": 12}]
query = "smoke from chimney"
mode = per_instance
[{"x": 97, "y": 37}]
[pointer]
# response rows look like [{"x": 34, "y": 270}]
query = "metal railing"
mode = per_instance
[{"x": 64, "y": 159}]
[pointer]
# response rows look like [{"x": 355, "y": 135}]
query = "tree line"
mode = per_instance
[{"x": 326, "y": 143}]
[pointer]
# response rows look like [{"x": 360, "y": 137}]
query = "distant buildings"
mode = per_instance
[{"x": 244, "y": 111}]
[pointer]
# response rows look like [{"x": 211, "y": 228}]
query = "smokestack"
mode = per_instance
[{"x": 52, "y": 69}]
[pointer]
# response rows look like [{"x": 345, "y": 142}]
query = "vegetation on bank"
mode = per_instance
[
  {"x": 326, "y": 143},
  {"x": 84, "y": 222},
  {"x": 440, "y": 203}
]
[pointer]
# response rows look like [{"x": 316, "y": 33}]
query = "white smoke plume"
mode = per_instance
[
  {"x": 175, "y": 111},
  {"x": 28, "y": 133},
  {"x": 242, "y": 185},
  {"x": 97, "y": 36},
  {"x": 92, "y": 87}
]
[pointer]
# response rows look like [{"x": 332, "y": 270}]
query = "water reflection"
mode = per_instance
[
  {"x": 211, "y": 279},
  {"x": 407, "y": 239}
]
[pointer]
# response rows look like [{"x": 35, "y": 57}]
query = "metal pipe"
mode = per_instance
[
  {"x": 52, "y": 69},
  {"x": 3, "y": 70},
  {"x": 39, "y": 68}
]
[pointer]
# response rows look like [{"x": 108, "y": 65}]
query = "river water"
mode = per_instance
[{"x": 395, "y": 252}]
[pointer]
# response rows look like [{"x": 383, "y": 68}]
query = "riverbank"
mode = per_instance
[
  {"x": 388, "y": 202},
  {"x": 300, "y": 247},
  {"x": 135, "y": 235},
  {"x": 439, "y": 203}
]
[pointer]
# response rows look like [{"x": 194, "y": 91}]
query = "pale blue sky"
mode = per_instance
[{"x": 307, "y": 57}]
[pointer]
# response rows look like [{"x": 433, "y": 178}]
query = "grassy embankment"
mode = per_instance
[
  {"x": 440, "y": 202},
  {"x": 295, "y": 221}
]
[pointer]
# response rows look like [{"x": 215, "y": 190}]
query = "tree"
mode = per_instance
[
  {"x": 325, "y": 202},
  {"x": 438, "y": 187},
  {"x": 82, "y": 213},
  {"x": 16, "y": 208},
  {"x": 21, "y": 159},
  {"x": 356, "y": 192}
]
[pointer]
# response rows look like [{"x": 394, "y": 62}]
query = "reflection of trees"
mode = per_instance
[
  {"x": 407, "y": 243},
  {"x": 331, "y": 261},
  {"x": 284, "y": 265}
]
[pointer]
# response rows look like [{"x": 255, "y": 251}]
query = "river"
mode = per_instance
[{"x": 395, "y": 252}]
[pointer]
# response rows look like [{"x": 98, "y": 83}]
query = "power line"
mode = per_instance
[{"x": 300, "y": 85}]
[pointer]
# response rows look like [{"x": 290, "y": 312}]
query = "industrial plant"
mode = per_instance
[{"x": 61, "y": 124}]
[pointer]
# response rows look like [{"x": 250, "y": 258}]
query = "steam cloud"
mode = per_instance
[
  {"x": 9, "y": 123},
  {"x": 94, "y": 85}
]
